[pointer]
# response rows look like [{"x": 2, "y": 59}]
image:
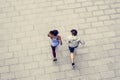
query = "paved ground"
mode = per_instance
[{"x": 25, "y": 52}]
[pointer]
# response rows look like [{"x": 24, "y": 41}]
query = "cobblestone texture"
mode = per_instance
[{"x": 25, "y": 52}]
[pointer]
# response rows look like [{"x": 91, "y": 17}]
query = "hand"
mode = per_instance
[
  {"x": 60, "y": 43},
  {"x": 83, "y": 42}
]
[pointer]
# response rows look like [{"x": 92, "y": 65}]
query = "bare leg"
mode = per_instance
[{"x": 72, "y": 57}]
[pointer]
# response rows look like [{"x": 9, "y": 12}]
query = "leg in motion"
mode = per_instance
[
  {"x": 54, "y": 53},
  {"x": 72, "y": 55}
]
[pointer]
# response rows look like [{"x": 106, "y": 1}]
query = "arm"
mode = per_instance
[
  {"x": 81, "y": 41},
  {"x": 49, "y": 35},
  {"x": 60, "y": 40}
]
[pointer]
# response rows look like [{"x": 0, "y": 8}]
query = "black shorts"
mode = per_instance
[{"x": 71, "y": 49}]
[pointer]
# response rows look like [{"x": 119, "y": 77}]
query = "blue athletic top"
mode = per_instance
[{"x": 54, "y": 42}]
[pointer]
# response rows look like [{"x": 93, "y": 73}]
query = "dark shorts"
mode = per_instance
[{"x": 71, "y": 49}]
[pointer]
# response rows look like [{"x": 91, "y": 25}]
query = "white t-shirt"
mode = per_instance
[{"x": 73, "y": 41}]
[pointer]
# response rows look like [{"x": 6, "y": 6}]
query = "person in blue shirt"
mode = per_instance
[{"x": 55, "y": 41}]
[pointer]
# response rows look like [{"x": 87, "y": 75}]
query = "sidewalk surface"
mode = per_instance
[{"x": 25, "y": 52}]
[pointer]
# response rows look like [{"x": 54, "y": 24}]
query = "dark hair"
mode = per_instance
[
  {"x": 54, "y": 32},
  {"x": 74, "y": 32},
  {"x": 51, "y": 32}
]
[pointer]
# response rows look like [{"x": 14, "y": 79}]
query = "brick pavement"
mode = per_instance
[{"x": 25, "y": 52}]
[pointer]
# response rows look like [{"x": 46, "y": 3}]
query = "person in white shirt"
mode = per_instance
[{"x": 73, "y": 42}]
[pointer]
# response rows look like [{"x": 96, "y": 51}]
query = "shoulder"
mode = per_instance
[
  {"x": 70, "y": 37},
  {"x": 77, "y": 37},
  {"x": 58, "y": 37}
]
